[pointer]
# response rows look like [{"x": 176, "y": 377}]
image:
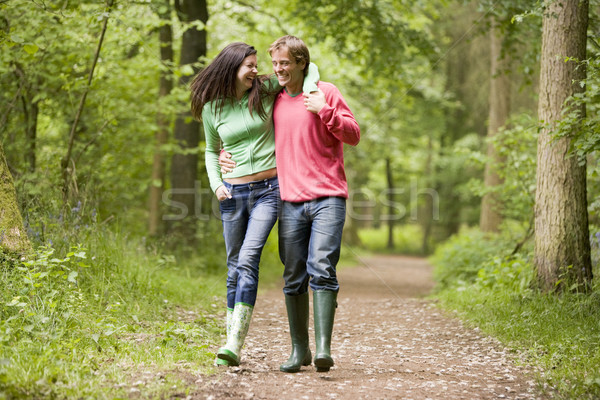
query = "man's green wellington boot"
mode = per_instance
[
  {"x": 297, "y": 311},
  {"x": 220, "y": 361},
  {"x": 324, "y": 304},
  {"x": 240, "y": 321}
]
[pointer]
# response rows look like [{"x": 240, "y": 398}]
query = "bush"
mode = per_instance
[
  {"x": 511, "y": 273},
  {"x": 459, "y": 260}
]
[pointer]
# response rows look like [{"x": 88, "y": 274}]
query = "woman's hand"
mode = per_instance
[
  {"x": 222, "y": 193},
  {"x": 226, "y": 163},
  {"x": 315, "y": 101}
]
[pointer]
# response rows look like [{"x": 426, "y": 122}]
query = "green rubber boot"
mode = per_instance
[
  {"x": 240, "y": 322},
  {"x": 220, "y": 361},
  {"x": 324, "y": 303},
  {"x": 297, "y": 311}
]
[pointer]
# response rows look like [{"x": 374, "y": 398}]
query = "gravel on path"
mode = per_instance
[{"x": 389, "y": 342}]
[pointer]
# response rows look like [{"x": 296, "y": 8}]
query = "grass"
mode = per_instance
[
  {"x": 112, "y": 318},
  {"x": 557, "y": 334}
]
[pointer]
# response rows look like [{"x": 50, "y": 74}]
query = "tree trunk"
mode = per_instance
[
  {"x": 499, "y": 103},
  {"x": 157, "y": 184},
  {"x": 13, "y": 237},
  {"x": 562, "y": 248},
  {"x": 390, "y": 182},
  {"x": 32, "y": 135},
  {"x": 30, "y": 114},
  {"x": 350, "y": 234},
  {"x": 427, "y": 219},
  {"x": 184, "y": 165}
]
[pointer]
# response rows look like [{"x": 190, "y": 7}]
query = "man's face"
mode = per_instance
[{"x": 289, "y": 73}]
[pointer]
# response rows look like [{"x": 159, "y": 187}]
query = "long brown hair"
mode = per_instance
[{"x": 217, "y": 82}]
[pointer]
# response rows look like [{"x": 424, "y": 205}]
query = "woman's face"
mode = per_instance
[{"x": 246, "y": 74}]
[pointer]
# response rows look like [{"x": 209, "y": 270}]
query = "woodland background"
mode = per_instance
[{"x": 480, "y": 131}]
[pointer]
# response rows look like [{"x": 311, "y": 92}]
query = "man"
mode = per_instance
[{"x": 310, "y": 130}]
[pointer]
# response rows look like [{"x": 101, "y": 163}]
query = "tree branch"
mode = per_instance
[
  {"x": 91, "y": 142},
  {"x": 527, "y": 236},
  {"x": 66, "y": 160},
  {"x": 261, "y": 11}
]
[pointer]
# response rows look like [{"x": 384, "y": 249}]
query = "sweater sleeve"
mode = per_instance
[
  {"x": 338, "y": 118},
  {"x": 213, "y": 148},
  {"x": 311, "y": 79}
]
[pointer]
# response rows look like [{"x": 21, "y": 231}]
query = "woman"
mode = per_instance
[{"x": 235, "y": 105}]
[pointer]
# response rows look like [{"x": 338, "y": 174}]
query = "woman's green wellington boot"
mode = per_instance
[
  {"x": 324, "y": 304},
  {"x": 297, "y": 311},
  {"x": 240, "y": 322},
  {"x": 220, "y": 361}
]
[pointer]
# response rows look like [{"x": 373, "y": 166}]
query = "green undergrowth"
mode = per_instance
[
  {"x": 558, "y": 335},
  {"x": 407, "y": 239},
  {"x": 109, "y": 318}
]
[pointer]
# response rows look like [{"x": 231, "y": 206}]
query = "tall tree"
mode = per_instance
[
  {"x": 13, "y": 237},
  {"x": 163, "y": 121},
  {"x": 562, "y": 247},
  {"x": 499, "y": 109},
  {"x": 184, "y": 165}
]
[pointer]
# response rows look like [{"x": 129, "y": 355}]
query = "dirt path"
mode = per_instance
[{"x": 388, "y": 343}]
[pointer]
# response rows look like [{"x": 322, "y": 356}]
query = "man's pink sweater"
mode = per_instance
[{"x": 309, "y": 147}]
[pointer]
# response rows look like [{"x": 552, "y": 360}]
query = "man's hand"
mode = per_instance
[
  {"x": 226, "y": 163},
  {"x": 315, "y": 101},
  {"x": 222, "y": 193}
]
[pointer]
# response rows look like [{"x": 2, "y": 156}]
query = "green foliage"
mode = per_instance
[
  {"x": 519, "y": 22},
  {"x": 584, "y": 129},
  {"x": 456, "y": 169},
  {"x": 93, "y": 308},
  {"x": 511, "y": 273},
  {"x": 408, "y": 239},
  {"x": 379, "y": 36},
  {"x": 114, "y": 142},
  {"x": 73, "y": 325},
  {"x": 517, "y": 146},
  {"x": 468, "y": 256}
]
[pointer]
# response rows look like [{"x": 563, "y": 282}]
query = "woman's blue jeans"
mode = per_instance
[
  {"x": 248, "y": 218},
  {"x": 310, "y": 239}
]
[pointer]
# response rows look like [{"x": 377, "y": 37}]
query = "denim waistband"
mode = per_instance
[{"x": 253, "y": 184}]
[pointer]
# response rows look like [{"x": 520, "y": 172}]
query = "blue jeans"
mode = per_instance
[
  {"x": 310, "y": 239},
  {"x": 248, "y": 218}
]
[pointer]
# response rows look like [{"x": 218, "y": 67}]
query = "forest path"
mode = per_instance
[{"x": 388, "y": 343}]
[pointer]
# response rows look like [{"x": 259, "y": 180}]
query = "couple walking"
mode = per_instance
[{"x": 282, "y": 137}]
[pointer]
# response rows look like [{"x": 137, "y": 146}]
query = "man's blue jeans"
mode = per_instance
[
  {"x": 248, "y": 218},
  {"x": 310, "y": 239}
]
